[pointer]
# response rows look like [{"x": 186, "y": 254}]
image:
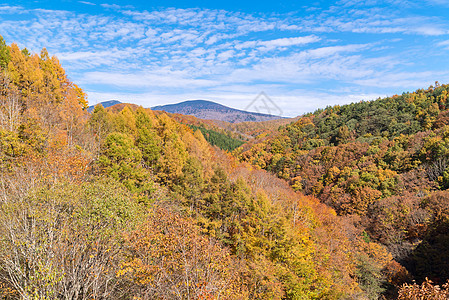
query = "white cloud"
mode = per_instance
[
  {"x": 111, "y": 6},
  {"x": 375, "y": 17},
  {"x": 283, "y": 42},
  {"x": 444, "y": 43},
  {"x": 438, "y": 2},
  {"x": 12, "y": 9},
  {"x": 405, "y": 80},
  {"x": 432, "y": 31},
  {"x": 87, "y": 3},
  {"x": 163, "y": 78}
]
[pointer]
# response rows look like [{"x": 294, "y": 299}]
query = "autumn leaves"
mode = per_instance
[{"x": 126, "y": 204}]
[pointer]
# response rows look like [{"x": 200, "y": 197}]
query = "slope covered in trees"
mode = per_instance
[
  {"x": 250, "y": 130},
  {"x": 384, "y": 163},
  {"x": 219, "y": 139},
  {"x": 243, "y": 131},
  {"x": 126, "y": 204}
]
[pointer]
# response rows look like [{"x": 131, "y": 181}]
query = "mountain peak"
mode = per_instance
[
  {"x": 104, "y": 104},
  {"x": 205, "y": 109}
]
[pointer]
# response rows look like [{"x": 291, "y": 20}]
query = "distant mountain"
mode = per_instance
[
  {"x": 104, "y": 104},
  {"x": 213, "y": 111}
]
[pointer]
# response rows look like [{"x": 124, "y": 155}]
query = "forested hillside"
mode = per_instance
[
  {"x": 126, "y": 204},
  {"x": 243, "y": 131},
  {"x": 383, "y": 163},
  {"x": 250, "y": 130}
]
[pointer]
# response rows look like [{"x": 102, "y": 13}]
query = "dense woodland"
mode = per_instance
[
  {"x": 220, "y": 139},
  {"x": 384, "y": 164},
  {"x": 128, "y": 204}
]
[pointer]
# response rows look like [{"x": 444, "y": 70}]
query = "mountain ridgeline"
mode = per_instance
[
  {"x": 213, "y": 111},
  {"x": 105, "y": 104}
]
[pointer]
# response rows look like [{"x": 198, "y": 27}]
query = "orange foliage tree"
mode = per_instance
[{"x": 171, "y": 259}]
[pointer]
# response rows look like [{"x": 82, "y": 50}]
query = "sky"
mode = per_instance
[{"x": 303, "y": 55}]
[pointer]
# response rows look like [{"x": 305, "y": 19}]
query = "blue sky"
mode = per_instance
[{"x": 303, "y": 54}]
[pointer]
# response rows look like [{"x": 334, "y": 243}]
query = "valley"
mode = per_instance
[{"x": 126, "y": 202}]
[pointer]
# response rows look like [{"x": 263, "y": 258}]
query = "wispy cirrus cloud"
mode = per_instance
[
  {"x": 87, "y": 3},
  {"x": 12, "y": 9},
  {"x": 444, "y": 44},
  {"x": 283, "y": 42}
]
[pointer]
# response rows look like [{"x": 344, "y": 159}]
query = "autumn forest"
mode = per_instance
[{"x": 347, "y": 202}]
